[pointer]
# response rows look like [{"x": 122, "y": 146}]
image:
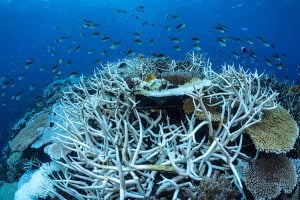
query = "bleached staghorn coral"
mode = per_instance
[
  {"x": 242, "y": 101},
  {"x": 120, "y": 149},
  {"x": 38, "y": 185}
]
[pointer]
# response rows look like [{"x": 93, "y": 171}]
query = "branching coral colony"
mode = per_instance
[{"x": 126, "y": 133}]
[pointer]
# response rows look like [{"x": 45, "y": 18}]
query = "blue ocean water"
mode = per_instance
[{"x": 37, "y": 36}]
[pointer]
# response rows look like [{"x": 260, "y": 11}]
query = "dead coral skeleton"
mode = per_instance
[{"x": 119, "y": 150}]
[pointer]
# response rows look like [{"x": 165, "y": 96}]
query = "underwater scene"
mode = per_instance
[{"x": 140, "y": 99}]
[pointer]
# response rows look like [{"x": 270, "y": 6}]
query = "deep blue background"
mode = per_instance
[{"x": 29, "y": 27}]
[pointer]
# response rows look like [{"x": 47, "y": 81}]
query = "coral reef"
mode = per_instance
[{"x": 145, "y": 128}]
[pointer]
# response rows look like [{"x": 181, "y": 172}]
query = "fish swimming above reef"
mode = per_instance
[
  {"x": 89, "y": 24},
  {"x": 28, "y": 63},
  {"x": 195, "y": 39},
  {"x": 177, "y": 48},
  {"x": 138, "y": 42},
  {"x": 221, "y": 28},
  {"x": 175, "y": 40},
  {"x": 175, "y": 16},
  {"x": 105, "y": 37},
  {"x": 222, "y": 41},
  {"x": 121, "y": 11},
  {"x": 180, "y": 26},
  {"x": 115, "y": 45}
]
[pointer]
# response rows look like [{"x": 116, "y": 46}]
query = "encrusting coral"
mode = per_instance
[
  {"x": 30, "y": 132},
  {"x": 276, "y": 133}
]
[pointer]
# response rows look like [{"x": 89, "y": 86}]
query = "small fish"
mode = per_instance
[
  {"x": 236, "y": 55},
  {"x": 104, "y": 38},
  {"x": 59, "y": 61},
  {"x": 91, "y": 51},
  {"x": 69, "y": 62},
  {"x": 252, "y": 55},
  {"x": 54, "y": 69},
  {"x": 104, "y": 53},
  {"x": 265, "y": 43},
  {"x": 18, "y": 96},
  {"x": 196, "y": 39},
  {"x": 138, "y": 41},
  {"x": 141, "y": 56},
  {"x": 98, "y": 61},
  {"x": 244, "y": 49},
  {"x": 236, "y": 39},
  {"x": 90, "y": 25},
  {"x": 150, "y": 77},
  {"x": 137, "y": 34},
  {"x": 114, "y": 45},
  {"x": 151, "y": 41},
  {"x": 69, "y": 49},
  {"x": 292, "y": 90},
  {"x": 177, "y": 48},
  {"x": 260, "y": 38},
  {"x": 168, "y": 28},
  {"x": 145, "y": 23},
  {"x": 250, "y": 41},
  {"x": 279, "y": 65},
  {"x": 160, "y": 56},
  {"x": 28, "y": 63},
  {"x": 121, "y": 11},
  {"x": 222, "y": 41},
  {"x": 8, "y": 83},
  {"x": 277, "y": 57},
  {"x": 268, "y": 62},
  {"x": 73, "y": 74},
  {"x": 130, "y": 53},
  {"x": 77, "y": 48},
  {"x": 175, "y": 40},
  {"x": 175, "y": 16},
  {"x": 42, "y": 68},
  {"x": 58, "y": 73},
  {"x": 32, "y": 86},
  {"x": 180, "y": 26},
  {"x": 141, "y": 8},
  {"x": 273, "y": 46},
  {"x": 135, "y": 16},
  {"x": 221, "y": 28},
  {"x": 12, "y": 84},
  {"x": 21, "y": 76},
  {"x": 62, "y": 39},
  {"x": 95, "y": 34}
]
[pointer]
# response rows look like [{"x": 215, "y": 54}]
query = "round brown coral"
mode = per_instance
[
  {"x": 276, "y": 133},
  {"x": 265, "y": 178},
  {"x": 177, "y": 78}
]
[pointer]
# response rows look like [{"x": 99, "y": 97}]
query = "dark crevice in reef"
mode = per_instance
[{"x": 168, "y": 106}]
